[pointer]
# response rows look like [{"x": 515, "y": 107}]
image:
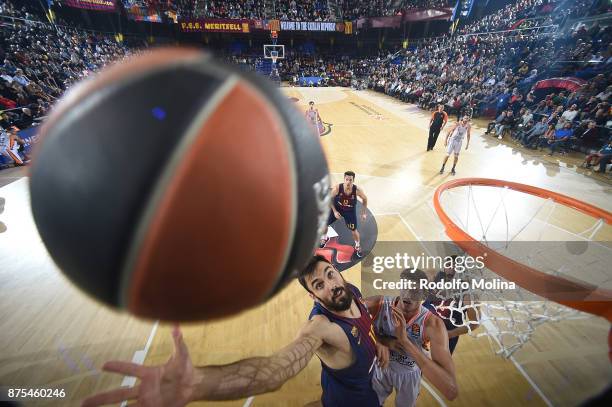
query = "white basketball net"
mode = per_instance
[{"x": 500, "y": 218}]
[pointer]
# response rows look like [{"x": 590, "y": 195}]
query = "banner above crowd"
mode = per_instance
[
  {"x": 409, "y": 16},
  {"x": 245, "y": 26},
  {"x": 220, "y": 25},
  {"x": 313, "y": 26},
  {"x": 307, "y": 26},
  {"x": 345, "y": 27},
  {"x": 100, "y": 5}
]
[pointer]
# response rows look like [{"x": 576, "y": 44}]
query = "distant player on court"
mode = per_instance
[
  {"x": 339, "y": 331},
  {"x": 436, "y": 124},
  {"x": 313, "y": 117},
  {"x": 409, "y": 329},
  {"x": 9, "y": 145},
  {"x": 454, "y": 140},
  {"x": 344, "y": 205}
]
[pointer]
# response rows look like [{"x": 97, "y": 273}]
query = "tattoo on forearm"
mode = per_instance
[{"x": 257, "y": 375}]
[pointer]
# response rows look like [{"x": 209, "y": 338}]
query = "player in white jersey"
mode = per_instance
[
  {"x": 9, "y": 145},
  {"x": 313, "y": 117},
  {"x": 410, "y": 331},
  {"x": 4, "y": 141},
  {"x": 454, "y": 140}
]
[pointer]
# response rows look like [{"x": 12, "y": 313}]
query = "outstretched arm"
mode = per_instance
[
  {"x": 440, "y": 369},
  {"x": 178, "y": 382},
  {"x": 257, "y": 375}
]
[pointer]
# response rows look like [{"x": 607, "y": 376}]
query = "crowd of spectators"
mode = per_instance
[
  {"x": 510, "y": 14},
  {"x": 463, "y": 71},
  {"x": 535, "y": 13},
  {"x": 334, "y": 70},
  {"x": 495, "y": 76},
  {"x": 292, "y": 10},
  {"x": 253, "y": 9},
  {"x": 355, "y": 9},
  {"x": 235, "y": 9},
  {"x": 39, "y": 61},
  {"x": 583, "y": 8},
  {"x": 302, "y": 10},
  {"x": 426, "y": 4},
  {"x": 560, "y": 122}
]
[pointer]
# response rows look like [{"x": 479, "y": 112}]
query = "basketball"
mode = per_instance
[{"x": 210, "y": 188}]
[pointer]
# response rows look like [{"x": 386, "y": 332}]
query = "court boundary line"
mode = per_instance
[
  {"x": 434, "y": 394},
  {"x": 139, "y": 357},
  {"x": 491, "y": 328}
]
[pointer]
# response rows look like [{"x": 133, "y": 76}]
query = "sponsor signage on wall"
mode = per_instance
[
  {"x": 219, "y": 25},
  {"x": 308, "y": 26}
]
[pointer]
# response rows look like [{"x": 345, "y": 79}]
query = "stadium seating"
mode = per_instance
[{"x": 487, "y": 67}]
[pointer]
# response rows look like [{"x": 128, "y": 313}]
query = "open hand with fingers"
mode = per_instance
[
  {"x": 400, "y": 324},
  {"x": 168, "y": 385}
]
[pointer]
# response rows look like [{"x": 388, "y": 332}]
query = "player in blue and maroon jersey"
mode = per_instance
[{"x": 344, "y": 205}]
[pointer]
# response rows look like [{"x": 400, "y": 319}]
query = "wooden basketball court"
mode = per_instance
[{"x": 53, "y": 336}]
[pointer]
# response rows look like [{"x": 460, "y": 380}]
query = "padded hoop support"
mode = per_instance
[{"x": 575, "y": 294}]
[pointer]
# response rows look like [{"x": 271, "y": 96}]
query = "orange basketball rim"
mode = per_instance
[{"x": 576, "y": 294}]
